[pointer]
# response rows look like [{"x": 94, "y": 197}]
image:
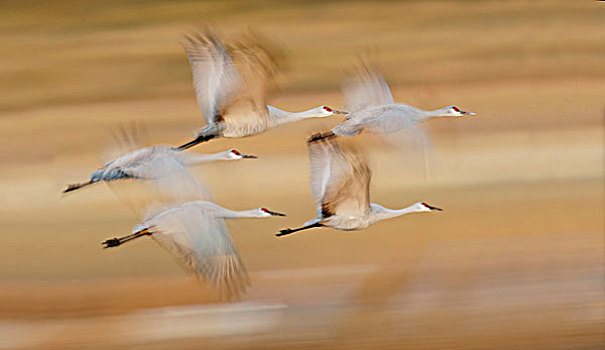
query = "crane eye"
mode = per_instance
[
  {"x": 328, "y": 108},
  {"x": 265, "y": 210},
  {"x": 236, "y": 152},
  {"x": 455, "y": 108},
  {"x": 426, "y": 205}
]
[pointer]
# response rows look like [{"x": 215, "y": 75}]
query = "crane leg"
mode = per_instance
[
  {"x": 74, "y": 187},
  {"x": 199, "y": 139},
  {"x": 114, "y": 242},
  {"x": 292, "y": 230}
]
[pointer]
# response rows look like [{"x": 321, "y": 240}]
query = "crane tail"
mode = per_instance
[
  {"x": 73, "y": 187},
  {"x": 199, "y": 139}
]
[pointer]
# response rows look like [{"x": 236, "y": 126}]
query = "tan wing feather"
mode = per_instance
[
  {"x": 345, "y": 181},
  {"x": 366, "y": 88},
  {"x": 215, "y": 77},
  {"x": 258, "y": 67}
]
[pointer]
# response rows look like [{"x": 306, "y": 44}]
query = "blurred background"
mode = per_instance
[{"x": 514, "y": 261}]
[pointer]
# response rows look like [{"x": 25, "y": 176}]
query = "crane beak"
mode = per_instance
[
  {"x": 467, "y": 113},
  {"x": 249, "y": 156},
  {"x": 275, "y": 213},
  {"x": 433, "y": 208},
  {"x": 334, "y": 111}
]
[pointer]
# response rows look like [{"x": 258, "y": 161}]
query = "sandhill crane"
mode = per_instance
[
  {"x": 153, "y": 163},
  {"x": 340, "y": 184},
  {"x": 231, "y": 89},
  {"x": 371, "y": 107},
  {"x": 196, "y": 234}
]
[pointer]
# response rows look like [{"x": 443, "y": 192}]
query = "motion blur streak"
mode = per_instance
[{"x": 515, "y": 261}]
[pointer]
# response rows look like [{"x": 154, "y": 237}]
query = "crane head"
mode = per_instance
[
  {"x": 325, "y": 111},
  {"x": 235, "y": 154},
  {"x": 453, "y": 111},
  {"x": 96, "y": 176},
  {"x": 266, "y": 212},
  {"x": 421, "y": 206}
]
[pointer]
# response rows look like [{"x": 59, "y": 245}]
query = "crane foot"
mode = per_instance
[
  {"x": 112, "y": 242},
  {"x": 284, "y": 232}
]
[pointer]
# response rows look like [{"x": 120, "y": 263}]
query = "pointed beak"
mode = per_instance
[
  {"x": 433, "y": 208},
  {"x": 467, "y": 113},
  {"x": 249, "y": 156},
  {"x": 275, "y": 213},
  {"x": 334, "y": 111}
]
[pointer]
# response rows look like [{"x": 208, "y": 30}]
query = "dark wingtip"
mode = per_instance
[{"x": 320, "y": 136}]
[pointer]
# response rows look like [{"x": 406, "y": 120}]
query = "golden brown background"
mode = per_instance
[{"x": 514, "y": 261}]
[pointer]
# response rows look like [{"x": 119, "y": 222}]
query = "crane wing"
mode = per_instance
[
  {"x": 402, "y": 126},
  {"x": 160, "y": 180},
  {"x": 340, "y": 178},
  {"x": 215, "y": 77},
  {"x": 366, "y": 88},
  {"x": 258, "y": 67},
  {"x": 387, "y": 119},
  {"x": 127, "y": 138},
  {"x": 200, "y": 241}
]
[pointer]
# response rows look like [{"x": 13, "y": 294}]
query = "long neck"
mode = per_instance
[
  {"x": 279, "y": 116},
  {"x": 189, "y": 158},
  {"x": 233, "y": 214},
  {"x": 434, "y": 113},
  {"x": 382, "y": 213}
]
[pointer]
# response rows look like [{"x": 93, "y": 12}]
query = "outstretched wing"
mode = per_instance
[
  {"x": 257, "y": 64},
  {"x": 215, "y": 77},
  {"x": 160, "y": 180},
  {"x": 200, "y": 240},
  {"x": 366, "y": 88},
  {"x": 127, "y": 138},
  {"x": 340, "y": 178}
]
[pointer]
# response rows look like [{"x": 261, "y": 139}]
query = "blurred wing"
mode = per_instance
[
  {"x": 416, "y": 149},
  {"x": 170, "y": 177},
  {"x": 385, "y": 119},
  {"x": 367, "y": 88},
  {"x": 258, "y": 68},
  {"x": 343, "y": 181},
  {"x": 160, "y": 180},
  {"x": 201, "y": 241},
  {"x": 215, "y": 77},
  {"x": 127, "y": 138},
  {"x": 319, "y": 159}
]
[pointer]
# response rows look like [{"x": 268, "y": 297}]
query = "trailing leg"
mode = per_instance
[
  {"x": 114, "y": 242},
  {"x": 204, "y": 137},
  {"x": 290, "y": 230},
  {"x": 73, "y": 187}
]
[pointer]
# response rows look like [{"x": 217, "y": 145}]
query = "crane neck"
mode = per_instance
[
  {"x": 441, "y": 112},
  {"x": 381, "y": 213},
  {"x": 190, "y": 158},
  {"x": 279, "y": 116},
  {"x": 234, "y": 214}
]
